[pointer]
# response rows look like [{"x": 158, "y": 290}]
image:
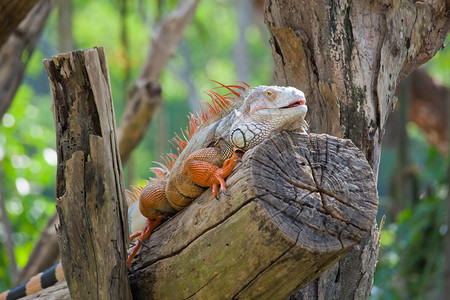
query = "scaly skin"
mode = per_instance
[{"x": 213, "y": 151}]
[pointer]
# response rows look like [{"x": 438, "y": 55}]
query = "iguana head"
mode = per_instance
[{"x": 266, "y": 110}]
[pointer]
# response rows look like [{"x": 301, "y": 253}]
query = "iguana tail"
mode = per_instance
[{"x": 35, "y": 284}]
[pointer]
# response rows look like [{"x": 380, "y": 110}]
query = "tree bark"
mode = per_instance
[
  {"x": 348, "y": 58},
  {"x": 93, "y": 231},
  {"x": 14, "y": 58},
  {"x": 12, "y": 12}
]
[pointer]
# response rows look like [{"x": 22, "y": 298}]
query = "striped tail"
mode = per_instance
[{"x": 37, "y": 283}]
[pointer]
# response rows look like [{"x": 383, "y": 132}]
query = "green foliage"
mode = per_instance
[
  {"x": 411, "y": 261},
  {"x": 28, "y": 161}
]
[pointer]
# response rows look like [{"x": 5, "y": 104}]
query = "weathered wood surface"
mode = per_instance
[
  {"x": 89, "y": 190},
  {"x": 298, "y": 204}
]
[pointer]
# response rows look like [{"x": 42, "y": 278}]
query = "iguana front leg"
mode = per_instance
[{"x": 202, "y": 167}]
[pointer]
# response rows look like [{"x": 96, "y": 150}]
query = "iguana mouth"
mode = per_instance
[{"x": 295, "y": 104}]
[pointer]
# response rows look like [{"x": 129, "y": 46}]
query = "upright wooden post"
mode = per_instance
[{"x": 89, "y": 189}]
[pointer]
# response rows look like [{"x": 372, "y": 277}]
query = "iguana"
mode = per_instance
[
  {"x": 208, "y": 151},
  {"x": 214, "y": 147}
]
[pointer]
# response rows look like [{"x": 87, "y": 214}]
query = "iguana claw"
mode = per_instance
[{"x": 149, "y": 226}]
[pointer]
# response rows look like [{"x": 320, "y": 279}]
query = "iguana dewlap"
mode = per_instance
[{"x": 216, "y": 139}]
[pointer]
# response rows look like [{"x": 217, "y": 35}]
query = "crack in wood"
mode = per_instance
[
  {"x": 202, "y": 287},
  {"x": 303, "y": 222},
  {"x": 263, "y": 270},
  {"x": 176, "y": 252},
  {"x": 328, "y": 210},
  {"x": 327, "y": 207}
]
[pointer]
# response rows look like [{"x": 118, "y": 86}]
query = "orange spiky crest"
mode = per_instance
[{"x": 209, "y": 112}]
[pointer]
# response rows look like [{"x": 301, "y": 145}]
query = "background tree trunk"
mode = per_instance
[
  {"x": 65, "y": 36},
  {"x": 348, "y": 58},
  {"x": 429, "y": 108},
  {"x": 17, "y": 50}
]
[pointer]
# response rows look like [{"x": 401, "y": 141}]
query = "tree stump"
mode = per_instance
[{"x": 298, "y": 204}]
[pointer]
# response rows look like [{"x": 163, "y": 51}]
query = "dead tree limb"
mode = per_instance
[
  {"x": 89, "y": 190},
  {"x": 12, "y": 12},
  {"x": 145, "y": 95}
]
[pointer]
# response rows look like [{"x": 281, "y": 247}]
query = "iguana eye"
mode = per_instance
[{"x": 269, "y": 93}]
